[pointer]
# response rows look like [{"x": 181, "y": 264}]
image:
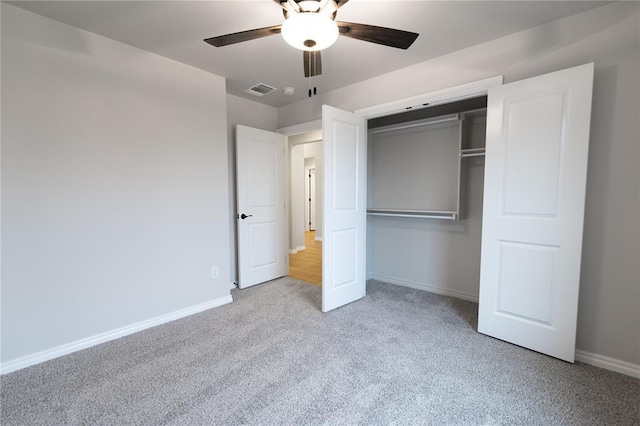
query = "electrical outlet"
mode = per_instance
[{"x": 214, "y": 272}]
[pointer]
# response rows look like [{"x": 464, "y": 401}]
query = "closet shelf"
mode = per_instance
[
  {"x": 421, "y": 123},
  {"x": 422, "y": 214}
]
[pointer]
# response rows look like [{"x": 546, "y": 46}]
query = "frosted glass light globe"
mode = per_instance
[{"x": 310, "y": 31}]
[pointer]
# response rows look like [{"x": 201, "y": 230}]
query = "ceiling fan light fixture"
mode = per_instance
[{"x": 310, "y": 31}]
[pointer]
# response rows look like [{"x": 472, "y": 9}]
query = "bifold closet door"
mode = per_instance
[
  {"x": 535, "y": 179},
  {"x": 344, "y": 214}
]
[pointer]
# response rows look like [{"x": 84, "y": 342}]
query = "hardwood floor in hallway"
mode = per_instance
[{"x": 306, "y": 265}]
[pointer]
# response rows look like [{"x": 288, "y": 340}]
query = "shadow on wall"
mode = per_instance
[
  {"x": 597, "y": 202},
  {"x": 233, "y": 189}
]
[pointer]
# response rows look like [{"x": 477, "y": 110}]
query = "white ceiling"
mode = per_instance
[{"x": 176, "y": 29}]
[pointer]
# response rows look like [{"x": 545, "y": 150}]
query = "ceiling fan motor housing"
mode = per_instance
[{"x": 310, "y": 31}]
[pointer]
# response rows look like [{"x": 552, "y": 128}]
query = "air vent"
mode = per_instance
[{"x": 260, "y": 89}]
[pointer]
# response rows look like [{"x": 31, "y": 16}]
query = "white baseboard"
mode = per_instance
[
  {"x": 49, "y": 354},
  {"x": 607, "y": 363},
  {"x": 318, "y": 238},
  {"x": 293, "y": 251},
  {"x": 422, "y": 286}
]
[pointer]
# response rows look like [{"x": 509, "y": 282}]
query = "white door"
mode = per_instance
[
  {"x": 535, "y": 178},
  {"x": 344, "y": 215},
  {"x": 260, "y": 203}
]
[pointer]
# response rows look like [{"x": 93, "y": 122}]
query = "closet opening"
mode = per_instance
[{"x": 425, "y": 182}]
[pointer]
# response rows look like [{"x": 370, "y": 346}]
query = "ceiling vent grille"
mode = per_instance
[{"x": 260, "y": 89}]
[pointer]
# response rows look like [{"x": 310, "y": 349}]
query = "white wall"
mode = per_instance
[
  {"x": 314, "y": 150},
  {"x": 296, "y": 217},
  {"x": 301, "y": 154},
  {"x": 609, "y": 308},
  {"x": 247, "y": 113},
  {"x": 114, "y": 186}
]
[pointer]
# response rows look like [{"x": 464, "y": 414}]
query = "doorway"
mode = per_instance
[{"x": 305, "y": 216}]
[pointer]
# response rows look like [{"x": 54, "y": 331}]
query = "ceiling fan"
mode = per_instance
[{"x": 310, "y": 26}]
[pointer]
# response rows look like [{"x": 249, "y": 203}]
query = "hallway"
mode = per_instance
[{"x": 306, "y": 265}]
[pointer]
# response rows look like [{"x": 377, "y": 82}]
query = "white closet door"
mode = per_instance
[
  {"x": 344, "y": 226},
  {"x": 260, "y": 202},
  {"x": 535, "y": 178}
]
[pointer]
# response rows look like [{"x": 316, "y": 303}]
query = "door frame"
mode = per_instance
[
  {"x": 288, "y": 132},
  {"x": 444, "y": 96}
]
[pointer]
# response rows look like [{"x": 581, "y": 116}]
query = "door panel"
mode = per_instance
[
  {"x": 260, "y": 196},
  {"x": 532, "y": 149},
  {"x": 344, "y": 245},
  {"x": 525, "y": 292},
  {"x": 535, "y": 181}
]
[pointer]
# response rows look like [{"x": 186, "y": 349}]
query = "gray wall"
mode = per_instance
[
  {"x": 609, "y": 307},
  {"x": 414, "y": 169},
  {"x": 252, "y": 114},
  {"x": 114, "y": 185}
]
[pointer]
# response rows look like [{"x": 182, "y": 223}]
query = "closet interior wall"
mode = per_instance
[{"x": 415, "y": 168}]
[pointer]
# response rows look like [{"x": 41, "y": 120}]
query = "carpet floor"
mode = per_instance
[{"x": 399, "y": 356}]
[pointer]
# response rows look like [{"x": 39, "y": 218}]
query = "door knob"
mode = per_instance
[{"x": 244, "y": 216}]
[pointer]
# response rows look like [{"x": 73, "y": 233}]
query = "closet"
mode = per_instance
[
  {"x": 504, "y": 229},
  {"x": 425, "y": 172}
]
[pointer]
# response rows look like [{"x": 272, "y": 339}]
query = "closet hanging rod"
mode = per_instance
[
  {"x": 422, "y": 214},
  {"x": 443, "y": 119},
  {"x": 471, "y": 154},
  {"x": 452, "y": 216}
]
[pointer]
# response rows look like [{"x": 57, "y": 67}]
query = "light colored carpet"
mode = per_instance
[{"x": 399, "y": 356}]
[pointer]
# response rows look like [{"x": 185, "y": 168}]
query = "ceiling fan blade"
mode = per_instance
[
  {"x": 312, "y": 63},
  {"x": 380, "y": 35},
  {"x": 227, "y": 39}
]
